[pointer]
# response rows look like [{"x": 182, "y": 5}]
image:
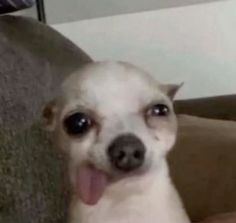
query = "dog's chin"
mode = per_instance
[
  {"x": 92, "y": 181},
  {"x": 117, "y": 175}
]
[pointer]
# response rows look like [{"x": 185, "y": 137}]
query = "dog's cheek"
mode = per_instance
[
  {"x": 79, "y": 148},
  {"x": 171, "y": 133},
  {"x": 78, "y": 153},
  {"x": 169, "y": 141},
  {"x": 159, "y": 149},
  {"x": 160, "y": 142},
  {"x": 165, "y": 130},
  {"x": 98, "y": 156}
]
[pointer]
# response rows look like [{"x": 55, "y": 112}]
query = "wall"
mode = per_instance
[
  {"x": 58, "y": 11},
  {"x": 195, "y": 44}
]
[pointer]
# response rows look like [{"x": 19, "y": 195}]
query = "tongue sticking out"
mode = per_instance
[{"x": 90, "y": 184}]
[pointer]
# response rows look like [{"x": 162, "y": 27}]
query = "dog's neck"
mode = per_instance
[{"x": 136, "y": 200}]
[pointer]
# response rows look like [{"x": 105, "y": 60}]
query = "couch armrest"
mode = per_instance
[{"x": 219, "y": 107}]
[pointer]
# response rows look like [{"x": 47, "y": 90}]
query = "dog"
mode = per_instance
[{"x": 116, "y": 124}]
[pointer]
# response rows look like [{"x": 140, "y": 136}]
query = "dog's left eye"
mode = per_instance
[
  {"x": 158, "y": 110},
  {"x": 77, "y": 124}
]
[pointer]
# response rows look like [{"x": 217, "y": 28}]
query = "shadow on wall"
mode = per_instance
[{"x": 74, "y": 10}]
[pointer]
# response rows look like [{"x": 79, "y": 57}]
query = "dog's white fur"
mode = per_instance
[{"x": 118, "y": 94}]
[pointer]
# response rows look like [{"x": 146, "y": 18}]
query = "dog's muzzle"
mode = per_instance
[{"x": 126, "y": 152}]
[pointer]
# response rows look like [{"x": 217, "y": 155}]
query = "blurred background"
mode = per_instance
[{"x": 191, "y": 41}]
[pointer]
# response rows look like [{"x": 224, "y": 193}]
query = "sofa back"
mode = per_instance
[
  {"x": 34, "y": 59},
  {"x": 218, "y": 107}
]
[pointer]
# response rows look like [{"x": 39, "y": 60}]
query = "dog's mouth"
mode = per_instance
[{"x": 90, "y": 184}]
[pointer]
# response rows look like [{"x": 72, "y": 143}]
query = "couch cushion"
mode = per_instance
[
  {"x": 33, "y": 188},
  {"x": 203, "y": 165}
]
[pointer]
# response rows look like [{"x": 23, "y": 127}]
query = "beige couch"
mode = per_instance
[
  {"x": 34, "y": 59},
  {"x": 203, "y": 165},
  {"x": 203, "y": 162}
]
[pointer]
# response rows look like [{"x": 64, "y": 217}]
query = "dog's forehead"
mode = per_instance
[{"x": 109, "y": 86}]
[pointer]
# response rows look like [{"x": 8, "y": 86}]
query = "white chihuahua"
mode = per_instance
[{"x": 116, "y": 124}]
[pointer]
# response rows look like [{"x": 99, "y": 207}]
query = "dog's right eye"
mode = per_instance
[
  {"x": 77, "y": 124},
  {"x": 158, "y": 110}
]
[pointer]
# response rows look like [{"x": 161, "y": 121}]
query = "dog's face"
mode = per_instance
[{"x": 113, "y": 117}]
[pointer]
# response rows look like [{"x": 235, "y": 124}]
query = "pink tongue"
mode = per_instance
[{"x": 90, "y": 184}]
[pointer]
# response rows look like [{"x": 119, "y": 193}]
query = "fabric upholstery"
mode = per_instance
[
  {"x": 34, "y": 59},
  {"x": 203, "y": 165},
  {"x": 218, "y": 107}
]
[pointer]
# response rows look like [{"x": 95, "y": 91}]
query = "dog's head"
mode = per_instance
[{"x": 112, "y": 119}]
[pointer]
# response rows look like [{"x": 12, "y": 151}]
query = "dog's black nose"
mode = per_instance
[{"x": 126, "y": 152}]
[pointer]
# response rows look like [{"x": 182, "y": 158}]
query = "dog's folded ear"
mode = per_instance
[
  {"x": 171, "y": 89},
  {"x": 49, "y": 114}
]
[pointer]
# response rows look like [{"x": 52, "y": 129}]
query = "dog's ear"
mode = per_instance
[
  {"x": 171, "y": 89},
  {"x": 49, "y": 115}
]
